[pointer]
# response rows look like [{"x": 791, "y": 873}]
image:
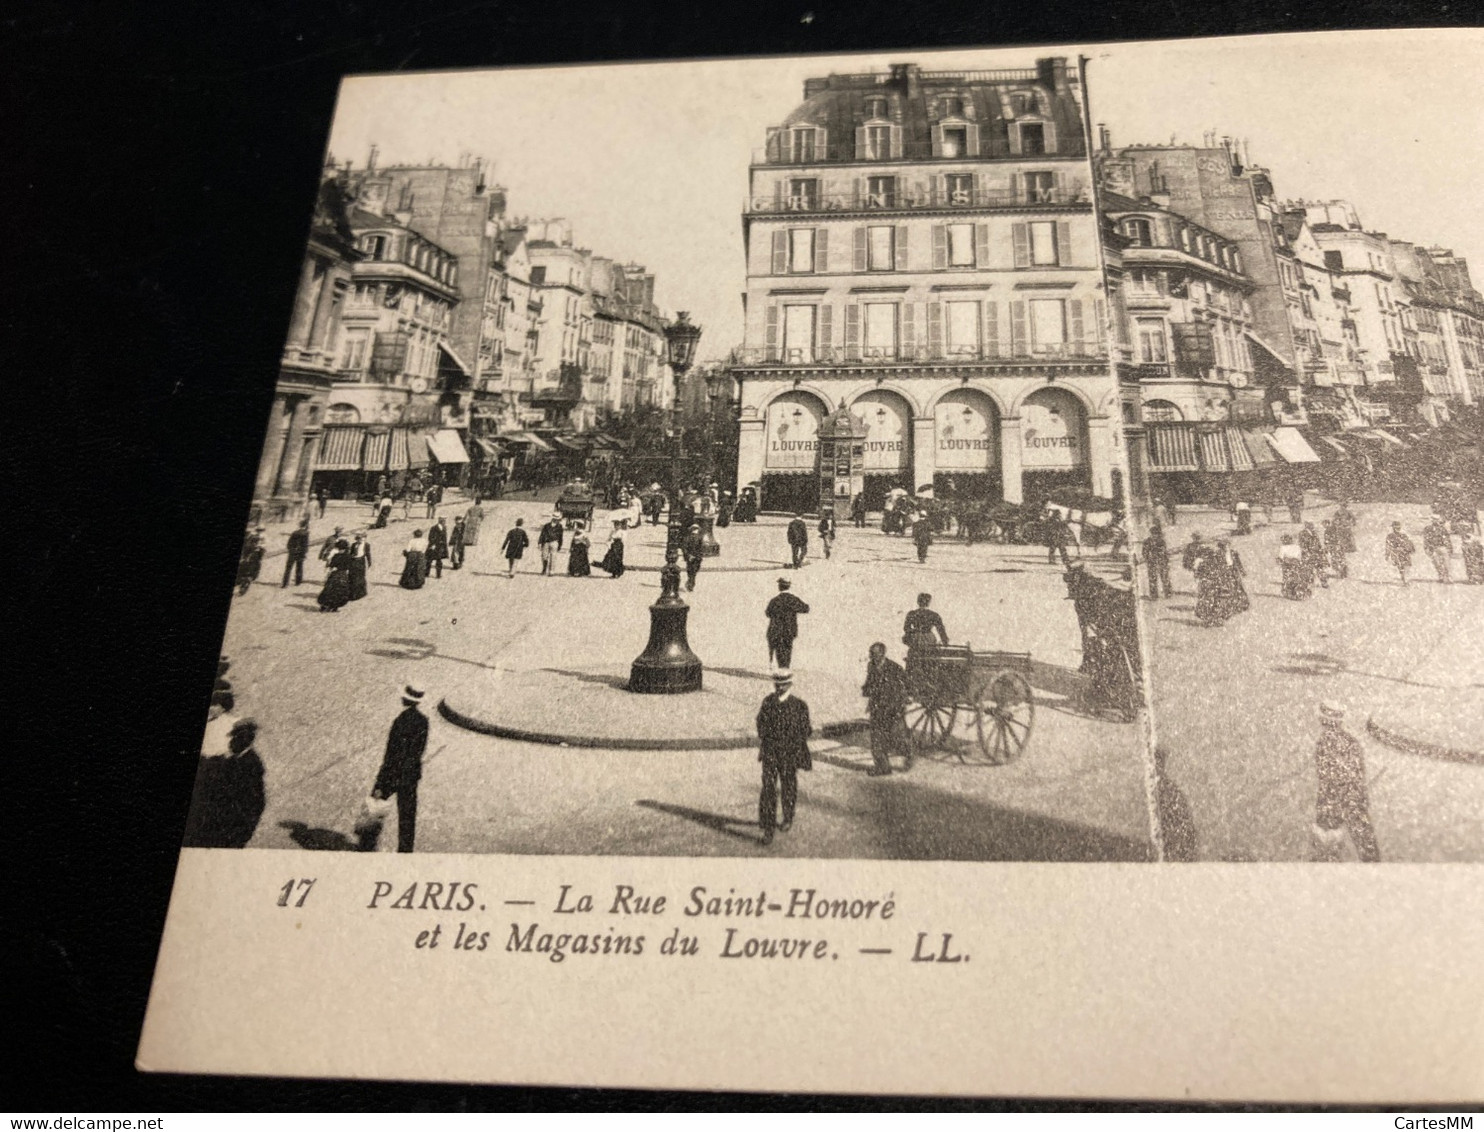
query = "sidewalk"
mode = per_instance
[{"x": 1440, "y": 713}]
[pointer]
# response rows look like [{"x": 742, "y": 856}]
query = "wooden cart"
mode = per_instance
[{"x": 989, "y": 689}]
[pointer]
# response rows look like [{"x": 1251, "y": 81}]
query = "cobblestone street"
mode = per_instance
[{"x": 324, "y": 688}]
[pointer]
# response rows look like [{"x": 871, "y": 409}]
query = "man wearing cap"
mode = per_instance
[
  {"x": 693, "y": 548},
  {"x": 298, "y": 551},
  {"x": 783, "y": 729},
  {"x": 1342, "y": 804},
  {"x": 783, "y": 625},
  {"x": 798, "y": 540},
  {"x": 402, "y": 766},
  {"x": 549, "y": 541},
  {"x": 885, "y": 690}
]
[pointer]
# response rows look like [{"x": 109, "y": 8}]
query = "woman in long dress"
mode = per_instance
[
  {"x": 383, "y": 512},
  {"x": 578, "y": 565},
  {"x": 1297, "y": 583},
  {"x": 415, "y": 567},
  {"x": 472, "y": 519},
  {"x": 1231, "y": 593},
  {"x": 613, "y": 560},
  {"x": 336, "y": 591},
  {"x": 360, "y": 562}
]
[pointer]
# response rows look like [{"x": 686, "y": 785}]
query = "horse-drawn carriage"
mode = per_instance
[
  {"x": 987, "y": 689},
  {"x": 576, "y": 502}
]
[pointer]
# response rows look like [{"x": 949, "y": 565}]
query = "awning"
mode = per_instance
[
  {"x": 455, "y": 359},
  {"x": 1258, "y": 447},
  {"x": 1172, "y": 449},
  {"x": 1213, "y": 452},
  {"x": 340, "y": 450},
  {"x": 522, "y": 437},
  {"x": 491, "y": 448},
  {"x": 1383, "y": 435},
  {"x": 1279, "y": 358},
  {"x": 1289, "y": 443},
  {"x": 447, "y": 448},
  {"x": 378, "y": 445},
  {"x": 417, "y": 448},
  {"x": 1241, "y": 458},
  {"x": 569, "y": 443},
  {"x": 398, "y": 460},
  {"x": 1336, "y": 445}
]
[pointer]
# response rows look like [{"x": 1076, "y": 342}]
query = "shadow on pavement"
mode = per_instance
[
  {"x": 717, "y": 822},
  {"x": 740, "y": 673},
  {"x": 619, "y": 682},
  {"x": 309, "y": 837}
]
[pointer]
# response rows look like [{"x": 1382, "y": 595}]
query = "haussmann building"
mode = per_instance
[{"x": 923, "y": 272}]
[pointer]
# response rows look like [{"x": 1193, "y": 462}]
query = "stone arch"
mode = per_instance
[
  {"x": 1077, "y": 391},
  {"x": 906, "y": 393},
  {"x": 817, "y": 392},
  {"x": 1054, "y": 440},
  {"x": 968, "y": 453},
  {"x": 1163, "y": 410},
  {"x": 930, "y": 409},
  {"x": 790, "y": 472},
  {"x": 888, "y": 459}
]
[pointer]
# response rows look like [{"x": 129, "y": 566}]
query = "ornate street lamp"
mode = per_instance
[{"x": 667, "y": 666}]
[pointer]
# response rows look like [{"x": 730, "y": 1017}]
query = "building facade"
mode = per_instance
[{"x": 923, "y": 251}]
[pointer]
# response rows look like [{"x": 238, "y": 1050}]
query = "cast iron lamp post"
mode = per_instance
[{"x": 667, "y": 666}]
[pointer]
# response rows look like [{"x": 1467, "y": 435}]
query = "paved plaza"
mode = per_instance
[
  {"x": 1235, "y": 707},
  {"x": 324, "y": 687}
]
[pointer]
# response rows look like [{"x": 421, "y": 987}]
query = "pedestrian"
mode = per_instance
[
  {"x": 402, "y": 766},
  {"x": 858, "y": 510},
  {"x": 1341, "y": 805},
  {"x": 1296, "y": 505},
  {"x": 1156, "y": 555},
  {"x": 321, "y": 499},
  {"x": 433, "y": 497},
  {"x": 1315, "y": 559},
  {"x": 1228, "y": 595},
  {"x": 298, "y": 551},
  {"x": 885, "y": 690},
  {"x": 382, "y": 483},
  {"x": 1334, "y": 549},
  {"x": 1437, "y": 544},
  {"x": 1194, "y": 553},
  {"x": 1242, "y": 512},
  {"x": 922, "y": 534},
  {"x": 1297, "y": 582},
  {"x": 746, "y": 509},
  {"x": 579, "y": 564},
  {"x": 783, "y": 730},
  {"x": 473, "y": 520},
  {"x": 1172, "y": 517},
  {"x": 923, "y": 630},
  {"x": 1056, "y": 531},
  {"x": 336, "y": 591},
  {"x": 1399, "y": 551},
  {"x": 407, "y": 502},
  {"x": 1343, "y": 521},
  {"x": 1473, "y": 560},
  {"x": 798, "y": 540},
  {"x": 693, "y": 549},
  {"x": 414, "y": 562},
  {"x": 437, "y": 547},
  {"x": 456, "y": 542},
  {"x": 514, "y": 546},
  {"x": 783, "y": 625},
  {"x": 383, "y": 512},
  {"x": 360, "y": 565},
  {"x": 327, "y": 548},
  {"x": 228, "y": 800},
  {"x": 250, "y": 563},
  {"x": 613, "y": 560},
  {"x": 827, "y": 531},
  {"x": 220, "y": 719},
  {"x": 549, "y": 541}
]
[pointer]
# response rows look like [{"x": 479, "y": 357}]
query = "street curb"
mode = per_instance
[
  {"x": 731, "y": 742},
  {"x": 1420, "y": 746}
]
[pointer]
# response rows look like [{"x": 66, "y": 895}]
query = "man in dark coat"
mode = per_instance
[
  {"x": 783, "y": 625},
  {"x": 456, "y": 543},
  {"x": 514, "y": 546},
  {"x": 1342, "y": 805},
  {"x": 693, "y": 548},
  {"x": 432, "y": 499},
  {"x": 858, "y": 509},
  {"x": 885, "y": 690},
  {"x": 922, "y": 534},
  {"x": 1311, "y": 546},
  {"x": 298, "y": 551},
  {"x": 1156, "y": 554},
  {"x": 798, "y": 540},
  {"x": 1399, "y": 551},
  {"x": 402, "y": 767},
  {"x": 229, "y": 800},
  {"x": 1437, "y": 544},
  {"x": 251, "y": 561},
  {"x": 437, "y": 547},
  {"x": 783, "y": 730}
]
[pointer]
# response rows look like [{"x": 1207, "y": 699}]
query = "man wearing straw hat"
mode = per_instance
[
  {"x": 1342, "y": 805},
  {"x": 402, "y": 767},
  {"x": 783, "y": 750}
]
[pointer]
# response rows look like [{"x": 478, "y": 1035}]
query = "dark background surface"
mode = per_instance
[{"x": 161, "y": 162}]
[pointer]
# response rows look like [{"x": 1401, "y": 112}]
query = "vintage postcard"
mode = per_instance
[{"x": 761, "y": 565}]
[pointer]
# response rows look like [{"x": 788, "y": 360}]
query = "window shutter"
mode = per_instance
[
  {"x": 780, "y": 252},
  {"x": 1020, "y": 345},
  {"x": 1014, "y": 138},
  {"x": 940, "y": 247},
  {"x": 773, "y": 148},
  {"x": 1020, "y": 237},
  {"x": 981, "y": 245},
  {"x": 860, "y": 249},
  {"x": 826, "y": 326},
  {"x": 1063, "y": 242},
  {"x": 991, "y": 329},
  {"x": 973, "y": 135},
  {"x": 821, "y": 249},
  {"x": 821, "y": 139},
  {"x": 860, "y": 143},
  {"x": 860, "y": 191},
  {"x": 1050, "y": 128},
  {"x": 1074, "y": 320},
  {"x": 909, "y": 329},
  {"x": 935, "y": 330},
  {"x": 936, "y": 134},
  {"x": 771, "y": 338},
  {"x": 899, "y": 251},
  {"x": 1058, "y": 186},
  {"x": 1101, "y": 308},
  {"x": 896, "y": 141},
  {"x": 780, "y": 195},
  {"x": 852, "y": 332}
]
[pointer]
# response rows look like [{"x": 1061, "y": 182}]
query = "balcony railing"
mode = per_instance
[
  {"x": 887, "y": 355},
  {"x": 926, "y": 198}
]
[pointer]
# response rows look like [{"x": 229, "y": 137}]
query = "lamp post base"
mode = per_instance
[
  {"x": 666, "y": 666},
  {"x": 710, "y": 548}
]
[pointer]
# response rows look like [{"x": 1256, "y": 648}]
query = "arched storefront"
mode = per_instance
[
  {"x": 966, "y": 429},
  {"x": 791, "y": 453},
  {"x": 888, "y": 444},
  {"x": 1053, "y": 443}
]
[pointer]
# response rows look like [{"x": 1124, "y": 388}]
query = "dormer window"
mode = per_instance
[
  {"x": 1032, "y": 138},
  {"x": 878, "y": 143},
  {"x": 953, "y": 108},
  {"x": 875, "y": 108},
  {"x": 1021, "y": 102},
  {"x": 374, "y": 247},
  {"x": 955, "y": 141},
  {"x": 1139, "y": 232},
  {"x": 802, "y": 145}
]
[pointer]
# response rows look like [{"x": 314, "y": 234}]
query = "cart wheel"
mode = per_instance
[
  {"x": 1005, "y": 718},
  {"x": 929, "y": 723}
]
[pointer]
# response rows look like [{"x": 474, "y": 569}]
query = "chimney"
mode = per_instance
[
  {"x": 1052, "y": 73},
  {"x": 1105, "y": 138},
  {"x": 371, "y": 159},
  {"x": 907, "y": 76}
]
